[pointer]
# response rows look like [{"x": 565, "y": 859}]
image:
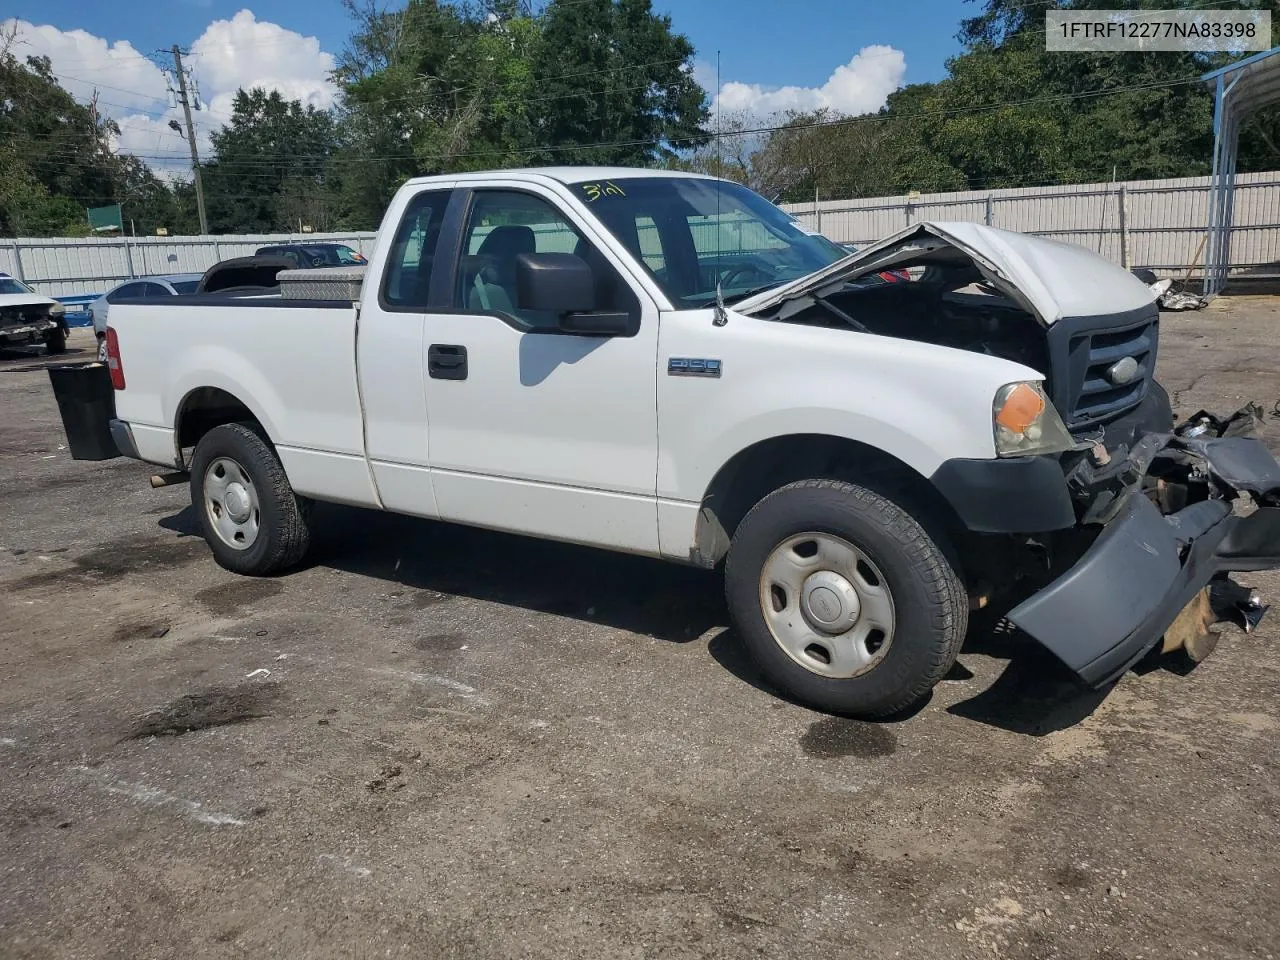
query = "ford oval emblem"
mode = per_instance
[{"x": 1122, "y": 371}]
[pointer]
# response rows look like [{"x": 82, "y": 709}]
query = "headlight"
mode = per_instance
[
  {"x": 1025, "y": 422},
  {"x": 57, "y": 310}
]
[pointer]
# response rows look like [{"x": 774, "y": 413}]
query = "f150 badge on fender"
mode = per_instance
[{"x": 693, "y": 367}]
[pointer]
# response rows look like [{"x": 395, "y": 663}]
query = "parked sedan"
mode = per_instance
[
  {"x": 166, "y": 286},
  {"x": 307, "y": 255}
]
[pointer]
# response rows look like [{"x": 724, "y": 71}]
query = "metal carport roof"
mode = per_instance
[{"x": 1240, "y": 88}]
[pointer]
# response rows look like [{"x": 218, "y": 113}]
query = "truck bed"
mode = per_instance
[{"x": 291, "y": 361}]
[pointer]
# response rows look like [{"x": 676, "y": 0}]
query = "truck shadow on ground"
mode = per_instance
[
  {"x": 1034, "y": 694},
  {"x": 37, "y": 358}
]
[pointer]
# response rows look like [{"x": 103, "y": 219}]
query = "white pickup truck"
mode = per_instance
[{"x": 669, "y": 365}]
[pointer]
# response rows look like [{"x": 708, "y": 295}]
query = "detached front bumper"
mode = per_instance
[{"x": 1116, "y": 602}]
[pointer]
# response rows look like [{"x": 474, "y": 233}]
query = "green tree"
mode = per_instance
[
  {"x": 439, "y": 87},
  {"x": 56, "y": 159},
  {"x": 615, "y": 85},
  {"x": 268, "y": 166}
]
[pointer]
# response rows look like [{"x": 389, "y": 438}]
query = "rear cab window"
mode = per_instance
[{"x": 406, "y": 284}]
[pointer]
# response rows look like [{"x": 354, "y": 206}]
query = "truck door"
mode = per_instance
[
  {"x": 389, "y": 354},
  {"x": 532, "y": 429}
]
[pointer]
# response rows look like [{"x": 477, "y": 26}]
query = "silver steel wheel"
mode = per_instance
[
  {"x": 231, "y": 503},
  {"x": 827, "y": 605}
]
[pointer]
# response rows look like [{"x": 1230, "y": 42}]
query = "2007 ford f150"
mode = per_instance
[{"x": 669, "y": 365}]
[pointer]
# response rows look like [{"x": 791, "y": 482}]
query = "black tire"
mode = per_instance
[
  {"x": 282, "y": 537},
  {"x": 930, "y": 603},
  {"x": 55, "y": 341}
]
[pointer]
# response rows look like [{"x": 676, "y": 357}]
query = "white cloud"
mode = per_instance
[
  {"x": 82, "y": 61},
  {"x": 860, "y": 86},
  {"x": 246, "y": 52},
  {"x": 242, "y": 52}
]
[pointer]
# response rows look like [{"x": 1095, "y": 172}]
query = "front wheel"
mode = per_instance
[
  {"x": 55, "y": 341},
  {"x": 843, "y": 599},
  {"x": 250, "y": 516}
]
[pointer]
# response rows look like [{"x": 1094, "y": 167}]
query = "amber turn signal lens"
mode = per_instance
[{"x": 1021, "y": 408}]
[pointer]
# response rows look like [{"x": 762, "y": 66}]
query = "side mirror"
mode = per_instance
[{"x": 559, "y": 283}]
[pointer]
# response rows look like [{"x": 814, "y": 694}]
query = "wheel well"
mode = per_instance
[
  {"x": 754, "y": 473},
  {"x": 205, "y": 408}
]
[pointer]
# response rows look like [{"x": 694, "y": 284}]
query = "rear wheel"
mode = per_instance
[
  {"x": 843, "y": 599},
  {"x": 250, "y": 516}
]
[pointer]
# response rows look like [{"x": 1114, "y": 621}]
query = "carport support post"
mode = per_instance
[
  {"x": 128, "y": 259},
  {"x": 1124, "y": 231},
  {"x": 17, "y": 262}
]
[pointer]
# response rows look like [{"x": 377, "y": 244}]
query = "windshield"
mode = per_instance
[
  {"x": 185, "y": 286},
  {"x": 10, "y": 285},
  {"x": 692, "y": 233}
]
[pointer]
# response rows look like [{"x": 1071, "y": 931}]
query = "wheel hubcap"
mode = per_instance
[
  {"x": 827, "y": 605},
  {"x": 231, "y": 503},
  {"x": 830, "y": 602}
]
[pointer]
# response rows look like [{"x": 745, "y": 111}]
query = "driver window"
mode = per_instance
[{"x": 502, "y": 225}]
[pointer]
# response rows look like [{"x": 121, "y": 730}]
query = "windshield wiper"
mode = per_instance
[{"x": 750, "y": 292}]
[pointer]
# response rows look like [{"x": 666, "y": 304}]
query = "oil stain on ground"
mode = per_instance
[
  {"x": 841, "y": 737},
  {"x": 216, "y": 706},
  {"x": 429, "y": 598},
  {"x": 149, "y": 630},
  {"x": 228, "y": 598},
  {"x": 113, "y": 561},
  {"x": 441, "y": 642}
]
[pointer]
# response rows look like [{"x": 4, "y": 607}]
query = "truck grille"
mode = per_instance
[{"x": 1091, "y": 396}]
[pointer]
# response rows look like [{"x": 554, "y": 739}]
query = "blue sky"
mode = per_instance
[
  {"x": 775, "y": 55},
  {"x": 769, "y": 42}
]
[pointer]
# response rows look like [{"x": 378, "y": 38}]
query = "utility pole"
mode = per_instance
[{"x": 191, "y": 135}]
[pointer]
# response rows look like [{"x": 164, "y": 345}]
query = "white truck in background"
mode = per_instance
[{"x": 669, "y": 365}]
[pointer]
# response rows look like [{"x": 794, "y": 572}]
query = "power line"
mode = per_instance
[{"x": 273, "y": 160}]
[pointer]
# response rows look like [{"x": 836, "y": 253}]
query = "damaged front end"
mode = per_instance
[{"x": 1180, "y": 511}]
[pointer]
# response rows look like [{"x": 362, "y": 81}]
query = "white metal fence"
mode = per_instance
[
  {"x": 57, "y": 266},
  {"x": 1159, "y": 224}
]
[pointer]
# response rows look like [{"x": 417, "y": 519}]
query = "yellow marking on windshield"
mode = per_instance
[{"x": 595, "y": 191}]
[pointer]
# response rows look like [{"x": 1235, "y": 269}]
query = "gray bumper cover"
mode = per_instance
[{"x": 1116, "y": 602}]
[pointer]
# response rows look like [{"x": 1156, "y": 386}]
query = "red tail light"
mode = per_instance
[{"x": 113, "y": 359}]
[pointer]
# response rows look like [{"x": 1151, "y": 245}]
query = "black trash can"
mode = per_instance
[{"x": 87, "y": 404}]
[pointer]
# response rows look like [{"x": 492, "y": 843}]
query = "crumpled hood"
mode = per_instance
[
  {"x": 25, "y": 300},
  {"x": 1051, "y": 279}
]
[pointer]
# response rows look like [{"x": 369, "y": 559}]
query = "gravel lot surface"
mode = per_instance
[{"x": 437, "y": 742}]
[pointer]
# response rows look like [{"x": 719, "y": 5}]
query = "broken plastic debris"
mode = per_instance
[{"x": 260, "y": 672}]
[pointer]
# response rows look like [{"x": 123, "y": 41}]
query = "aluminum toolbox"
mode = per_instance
[{"x": 322, "y": 283}]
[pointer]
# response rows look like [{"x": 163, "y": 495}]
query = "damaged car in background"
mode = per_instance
[
  {"x": 870, "y": 444},
  {"x": 28, "y": 318}
]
